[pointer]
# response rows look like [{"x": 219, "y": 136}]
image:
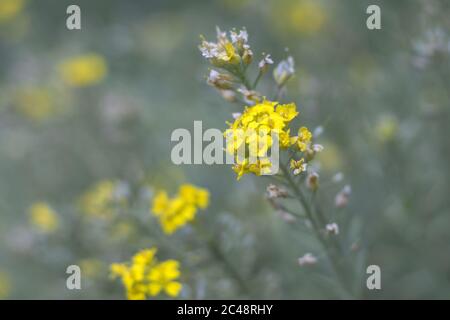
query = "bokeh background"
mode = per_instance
[{"x": 381, "y": 96}]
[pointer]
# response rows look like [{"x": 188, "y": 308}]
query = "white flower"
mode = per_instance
[
  {"x": 317, "y": 148},
  {"x": 338, "y": 177},
  {"x": 241, "y": 37},
  {"x": 265, "y": 61},
  {"x": 209, "y": 50},
  {"x": 332, "y": 228}
]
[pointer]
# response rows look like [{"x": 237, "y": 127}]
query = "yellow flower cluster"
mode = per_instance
[
  {"x": 175, "y": 212},
  {"x": 249, "y": 137},
  {"x": 100, "y": 200},
  {"x": 145, "y": 276},
  {"x": 83, "y": 70},
  {"x": 43, "y": 217}
]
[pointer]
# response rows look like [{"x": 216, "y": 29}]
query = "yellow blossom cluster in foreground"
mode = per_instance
[
  {"x": 253, "y": 131},
  {"x": 146, "y": 277},
  {"x": 175, "y": 212}
]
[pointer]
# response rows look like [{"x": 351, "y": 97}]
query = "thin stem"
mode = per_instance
[
  {"x": 258, "y": 77},
  {"x": 317, "y": 229},
  {"x": 218, "y": 254}
]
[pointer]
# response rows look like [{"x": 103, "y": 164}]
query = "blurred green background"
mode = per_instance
[{"x": 382, "y": 97}]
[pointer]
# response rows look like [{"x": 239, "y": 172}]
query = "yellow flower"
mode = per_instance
[
  {"x": 160, "y": 202},
  {"x": 252, "y": 131},
  {"x": 10, "y": 9},
  {"x": 307, "y": 17},
  {"x": 122, "y": 230},
  {"x": 287, "y": 111},
  {"x": 83, "y": 70},
  {"x": 386, "y": 128},
  {"x": 144, "y": 276},
  {"x": 330, "y": 158},
  {"x": 99, "y": 200},
  {"x": 91, "y": 267},
  {"x": 5, "y": 285},
  {"x": 298, "y": 166},
  {"x": 162, "y": 278},
  {"x": 43, "y": 217},
  {"x": 303, "y": 139},
  {"x": 194, "y": 195},
  {"x": 175, "y": 212},
  {"x": 35, "y": 103}
]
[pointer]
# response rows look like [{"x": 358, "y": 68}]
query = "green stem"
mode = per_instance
[
  {"x": 332, "y": 256},
  {"x": 218, "y": 254},
  {"x": 258, "y": 77}
]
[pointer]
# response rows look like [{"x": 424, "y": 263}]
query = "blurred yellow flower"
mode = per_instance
[
  {"x": 10, "y": 9},
  {"x": 43, "y": 217},
  {"x": 330, "y": 158},
  {"x": 5, "y": 285},
  {"x": 83, "y": 70},
  {"x": 144, "y": 276},
  {"x": 99, "y": 200},
  {"x": 122, "y": 230},
  {"x": 386, "y": 128},
  {"x": 305, "y": 17},
  {"x": 34, "y": 103},
  {"x": 91, "y": 268},
  {"x": 175, "y": 212}
]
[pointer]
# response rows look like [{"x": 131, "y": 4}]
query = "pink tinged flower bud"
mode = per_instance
[
  {"x": 274, "y": 192},
  {"x": 312, "y": 182},
  {"x": 228, "y": 95},
  {"x": 286, "y": 216},
  {"x": 307, "y": 260},
  {"x": 342, "y": 197}
]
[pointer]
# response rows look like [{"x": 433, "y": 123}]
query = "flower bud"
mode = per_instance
[
  {"x": 274, "y": 192},
  {"x": 220, "y": 81},
  {"x": 342, "y": 197},
  {"x": 283, "y": 71},
  {"x": 307, "y": 260},
  {"x": 312, "y": 182},
  {"x": 247, "y": 56},
  {"x": 228, "y": 95},
  {"x": 264, "y": 63},
  {"x": 250, "y": 96},
  {"x": 286, "y": 216},
  {"x": 332, "y": 229}
]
